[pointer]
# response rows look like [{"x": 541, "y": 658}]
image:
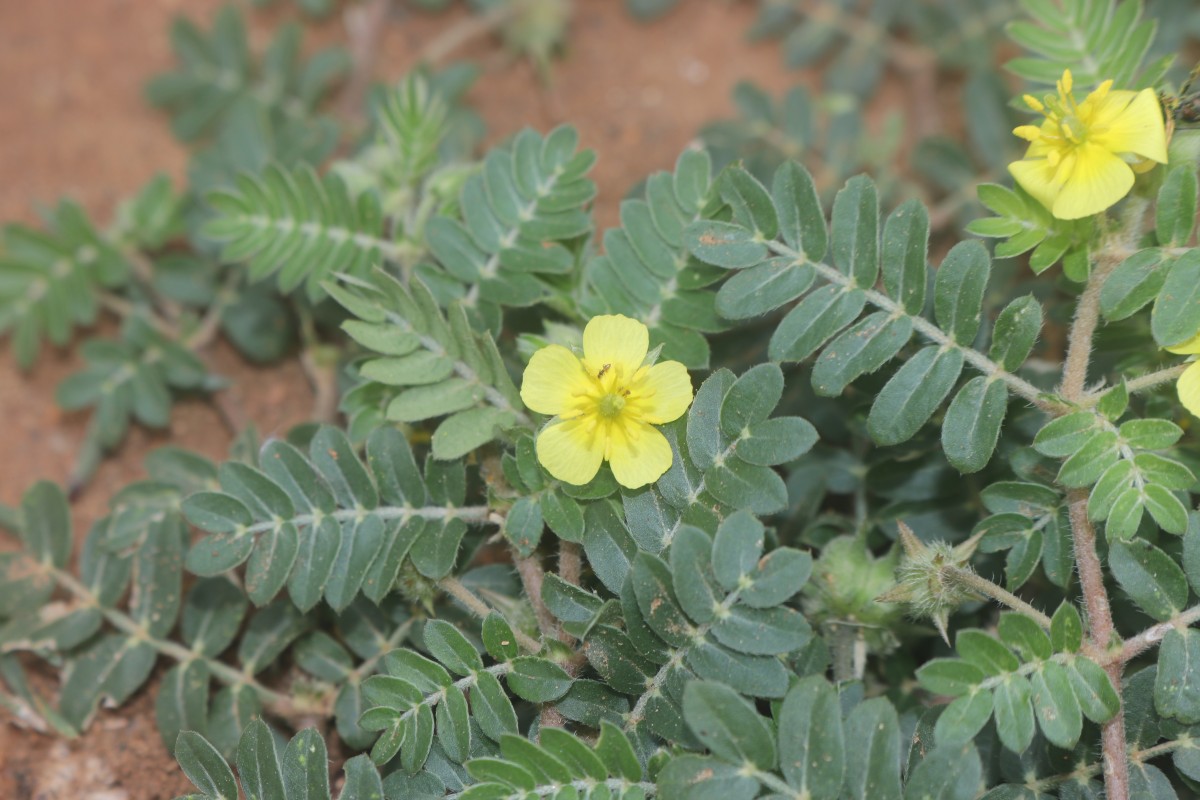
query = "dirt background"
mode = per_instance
[{"x": 73, "y": 122}]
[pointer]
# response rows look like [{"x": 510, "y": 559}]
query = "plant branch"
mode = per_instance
[
  {"x": 977, "y": 582},
  {"x": 532, "y": 576},
  {"x": 282, "y": 704},
  {"x": 471, "y": 27},
  {"x": 1135, "y": 646},
  {"x": 1101, "y": 632},
  {"x": 1019, "y": 386},
  {"x": 455, "y": 588},
  {"x": 570, "y": 561},
  {"x": 1142, "y": 383}
]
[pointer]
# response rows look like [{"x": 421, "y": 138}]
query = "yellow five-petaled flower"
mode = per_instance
[
  {"x": 1189, "y": 382},
  {"x": 605, "y": 404},
  {"x": 1083, "y": 156}
]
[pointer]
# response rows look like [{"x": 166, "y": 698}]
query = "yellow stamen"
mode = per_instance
[{"x": 1030, "y": 133}]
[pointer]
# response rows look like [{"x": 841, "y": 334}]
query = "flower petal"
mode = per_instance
[
  {"x": 1036, "y": 176},
  {"x": 617, "y": 341},
  {"x": 573, "y": 450},
  {"x": 662, "y": 393},
  {"x": 553, "y": 381},
  {"x": 1189, "y": 348},
  {"x": 638, "y": 454},
  {"x": 1189, "y": 389},
  {"x": 1129, "y": 122},
  {"x": 1098, "y": 180}
]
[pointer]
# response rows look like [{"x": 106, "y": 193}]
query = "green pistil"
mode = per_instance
[{"x": 610, "y": 405}]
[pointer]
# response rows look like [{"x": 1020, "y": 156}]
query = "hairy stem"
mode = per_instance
[
  {"x": 978, "y": 583},
  {"x": 570, "y": 561},
  {"x": 455, "y": 588},
  {"x": 1135, "y": 646},
  {"x": 1142, "y": 383},
  {"x": 532, "y": 576},
  {"x": 1101, "y": 632}
]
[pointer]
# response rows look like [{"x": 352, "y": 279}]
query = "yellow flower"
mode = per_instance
[
  {"x": 1188, "y": 385},
  {"x": 1082, "y": 158},
  {"x": 605, "y": 403}
]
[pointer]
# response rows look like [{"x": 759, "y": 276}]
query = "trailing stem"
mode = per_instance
[{"x": 1091, "y": 573}]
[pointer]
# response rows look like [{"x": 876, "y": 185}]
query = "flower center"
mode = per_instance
[{"x": 610, "y": 405}]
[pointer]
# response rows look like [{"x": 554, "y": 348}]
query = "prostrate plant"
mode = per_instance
[{"x": 546, "y": 560}]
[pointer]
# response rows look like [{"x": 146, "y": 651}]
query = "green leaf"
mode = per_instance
[
  {"x": 691, "y": 777},
  {"x": 466, "y": 431},
  {"x": 217, "y": 513},
  {"x": 751, "y": 398},
  {"x": 258, "y": 763},
  {"x": 204, "y": 767},
  {"x": 1097, "y": 697},
  {"x": 947, "y": 773},
  {"x": 46, "y": 524},
  {"x": 1150, "y": 434},
  {"x": 759, "y": 289},
  {"x": 727, "y": 725},
  {"x": 1015, "y": 332},
  {"x": 1176, "y": 315},
  {"x": 306, "y": 767},
  {"x": 1177, "y": 684},
  {"x": 1025, "y": 636},
  {"x": 959, "y": 723},
  {"x": 777, "y": 577},
  {"x": 913, "y": 394},
  {"x": 905, "y": 242},
  {"x": 751, "y": 204},
  {"x": 985, "y": 652},
  {"x": 523, "y": 525},
  {"x": 776, "y": 441},
  {"x": 212, "y": 615},
  {"x": 705, "y": 439},
  {"x": 1089, "y": 462},
  {"x": 972, "y": 424},
  {"x": 615, "y": 750},
  {"x": 609, "y": 548},
  {"x": 1065, "y": 435},
  {"x": 724, "y": 244},
  {"x": 811, "y": 748},
  {"x": 856, "y": 231},
  {"x": 1175, "y": 211},
  {"x": 563, "y": 515},
  {"x": 813, "y": 320},
  {"x": 1013, "y": 702},
  {"x": 1066, "y": 629},
  {"x": 737, "y": 548},
  {"x": 959, "y": 286},
  {"x": 491, "y": 707},
  {"x": 801, "y": 218},
  {"x": 498, "y": 636},
  {"x": 451, "y": 648},
  {"x": 362, "y": 780},
  {"x": 861, "y": 349},
  {"x": 453, "y": 721},
  {"x": 182, "y": 702},
  {"x": 1056, "y": 706},
  {"x": 950, "y": 676},
  {"x": 1149, "y": 576},
  {"x": 873, "y": 762},
  {"x": 1135, "y": 282},
  {"x": 538, "y": 680}
]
